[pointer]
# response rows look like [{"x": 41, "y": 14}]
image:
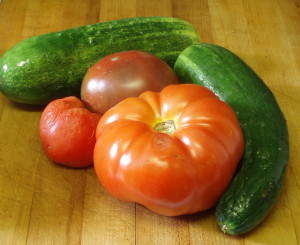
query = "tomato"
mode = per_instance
[
  {"x": 173, "y": 151},
  {"x": 121, "y": 75},
  {"x": 67, "y": 132}
]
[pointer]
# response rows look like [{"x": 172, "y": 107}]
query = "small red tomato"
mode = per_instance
[
  {"x": 121, "y": 75},
  {"x": 67, "y": 132}
]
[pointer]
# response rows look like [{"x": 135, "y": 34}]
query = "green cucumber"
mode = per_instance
[
  {"x": 49, "y": 66},
  {"x": 259, "y": 178}
]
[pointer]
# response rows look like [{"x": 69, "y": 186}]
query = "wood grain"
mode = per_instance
[{"x": 43, "y": 203}]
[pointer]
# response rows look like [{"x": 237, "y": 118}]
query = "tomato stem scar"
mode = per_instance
[{"x": 167, "y": 127}]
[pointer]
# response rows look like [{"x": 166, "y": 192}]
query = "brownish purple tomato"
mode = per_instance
[{"x": 121, "y": 75}]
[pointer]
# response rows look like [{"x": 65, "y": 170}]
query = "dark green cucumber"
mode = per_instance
[
  {"x": 258, "y": 180},
  {"x": 49, "y": 66}
]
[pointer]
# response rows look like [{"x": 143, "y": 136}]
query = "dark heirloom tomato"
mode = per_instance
[
  {"x": 174, "y": 152},
  {"x": 121, "y": 75},
  {"x": 67, "y": 132}
]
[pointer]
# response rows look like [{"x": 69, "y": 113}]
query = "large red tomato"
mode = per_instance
[
  {"x": 121, "y": 75},
  {"x": 68, "y": 132},
  {"x": 174, "y": 152}
]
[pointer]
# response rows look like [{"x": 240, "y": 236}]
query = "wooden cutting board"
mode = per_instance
[{"x": 43, "y": 203}]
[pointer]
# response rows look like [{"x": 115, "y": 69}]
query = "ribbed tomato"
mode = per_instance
[{"x": 174, "y": 152}]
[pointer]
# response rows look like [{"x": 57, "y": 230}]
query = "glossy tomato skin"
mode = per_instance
[
  {"x": 180, "y": 168},
  {"x": 67, "y": 132},
  {"x": 121, "y": 75}
]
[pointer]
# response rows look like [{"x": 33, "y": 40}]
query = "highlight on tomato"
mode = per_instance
[
  {"x": 174, "y": 151},
  {"x": 121, "y": 75},
  {"x": 68, "y": 132}
]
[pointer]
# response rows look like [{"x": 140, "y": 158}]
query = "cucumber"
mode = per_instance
[
  {"x": 257, "y": 183},
  {"x": 49, "y": 66}
]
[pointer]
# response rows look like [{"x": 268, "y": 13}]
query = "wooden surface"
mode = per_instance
[{"x": 42, "y": 203}]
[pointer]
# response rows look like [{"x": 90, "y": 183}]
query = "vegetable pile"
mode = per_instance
[{"x": 217, "y": 139}]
